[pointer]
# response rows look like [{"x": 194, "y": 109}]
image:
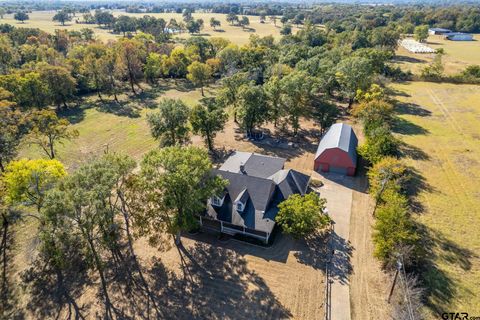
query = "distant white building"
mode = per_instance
[
  {"x": 459, "y": 36},
  {"x": 436, "y": 31}
]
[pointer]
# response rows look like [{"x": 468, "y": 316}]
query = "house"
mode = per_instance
[
  {"x": 436, "y": 31},
  {"x": 256, "y": 185},
  {"x": 337, "y": 151},
  {"x": 459, "y": 36}
]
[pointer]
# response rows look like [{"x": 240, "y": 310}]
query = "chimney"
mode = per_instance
[{"x": 242, "y": 169}]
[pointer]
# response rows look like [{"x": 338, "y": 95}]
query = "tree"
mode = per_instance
[
  {"x": 284, "y": 20},
  {"x": 301, "y": 216},
  {"x": 324, "y": 113},
  {"x": 373, "y": 114},
  {"x": 62, "y": 16},
  {"x": 286, "y": 30},
  {"x": 296, "y": 96},
  {"x": 125, "y": 24},
  {"x": 177, "y": 182},
  {"x": 21, "y": 16},
  {"x": 252, "y": 107},
  {"x": 214, "y": 23},
  {"x": 434, "y": 70},
  {"x": 244, "y": 22},
  {"x": 61, "y": 84},
  {"x": 154, "y": 66},
  {"x": 130, "y": 59},
  {"x": 170, "y": 124},
  {"x": 228, "y": 94},
  {"x": 273, "y": 93},
  {"x": 232, "y": 18},
  {"x": 207, "y": 118},
  {"x": 387, "y": 174},
  {"x": 421, "y": 33},
  {"x": 27, "y": 181},
  {"x": 199, "y": 73},
  {"x": 379, "y": 144},
  {"x": 193, "y": 26},
  {"x": 2, "y": 12},
  {"x": 354, "y": 73},
  {"x": 393, "y": 228},
  {"x": 274, "y": 20},
  {"x": 11, "y": 123},
  {"x": 47, "y": 130}
]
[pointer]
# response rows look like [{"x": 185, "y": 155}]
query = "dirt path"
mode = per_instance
[{"x": 368, "y": 284}]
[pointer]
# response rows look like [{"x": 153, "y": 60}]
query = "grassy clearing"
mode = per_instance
[
  {"x": 439, "y": 124},
  {"x": 43, "y": 21},
  {"x": 458, "y": 55},
  {"x": 106, "y": 125}
]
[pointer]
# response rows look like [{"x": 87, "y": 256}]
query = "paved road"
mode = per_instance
[{"x": 338, "y": 190}]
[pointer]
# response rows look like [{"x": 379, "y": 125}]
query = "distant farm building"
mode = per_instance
[
  {"x": 436, "y": 31},
  {"x": 337, "y": 151},
  {"x": 415, "y": 46},
  {"x": 459, "y": 36}
]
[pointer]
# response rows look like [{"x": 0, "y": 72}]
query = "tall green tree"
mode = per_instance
[
  {"x": 170, "y": 124},
  {"x": 301, "y": 216},
  {"x": 11, "y": 123},
  {"x": 273, "y": 92},
  {"x": 297, "y": 96},
  {"x": 228, "y": 94},
  {"x": 21, "y": 16},
  {"x": 324, "y": 113},
  {"x": 252, "y": 107},
  {"x": 61, "y": 84},
  {"x": 47, "y": 130},
  {"x": 354, "y": 73},
  {"x": 177, "y": 181},
  {"x": 62, "y": 16},
  {"x": 131, "y": 57},
  {"x": 421, "y": 33},
  {"x": 207, "y": 118},
  {"x": 199, "y": 73}
]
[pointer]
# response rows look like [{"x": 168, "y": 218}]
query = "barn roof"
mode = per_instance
[
  {"x": 439, "y": 29},
  {"x": 340, "y": 135}
]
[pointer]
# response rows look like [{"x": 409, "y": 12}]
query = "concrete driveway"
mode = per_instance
[{"x": 338, "y": 190}]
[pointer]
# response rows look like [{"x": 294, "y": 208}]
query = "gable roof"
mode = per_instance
[
  {"x": 340, "y": 135},
  {"x": 259, "y": 190},
  {"x": 439, "y": 29},
  {"x": 254, "y": 164},
  {"x": 290, "y": 182}
]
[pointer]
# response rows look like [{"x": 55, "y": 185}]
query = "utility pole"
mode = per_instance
[{"x": 399, "y": 267}]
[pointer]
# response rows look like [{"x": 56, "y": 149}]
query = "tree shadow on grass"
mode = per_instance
[
  {"x": 441, "y": 289},
  {"x": 73, "y": 115},
  {"x": 217, "y": 284},
  {"x": 412, "y": 109},
  {"x": 416, "y": 184},
  {"x": 119, "y": 109},
  {"x": 405, "y": 127},
  {"x": 411, "y": 151}
]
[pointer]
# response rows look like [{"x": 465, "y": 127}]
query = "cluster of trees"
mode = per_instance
[
  {"x": 396, "y": 236},
  {"x": 88, "y": 219}
]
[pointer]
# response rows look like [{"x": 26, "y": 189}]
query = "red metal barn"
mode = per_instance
[{"x": 337, "y": 151}]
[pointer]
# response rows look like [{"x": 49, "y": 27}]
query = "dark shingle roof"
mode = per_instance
[
  {"x": 340, "y": 135},
  {"x": 255, "y": 165}
]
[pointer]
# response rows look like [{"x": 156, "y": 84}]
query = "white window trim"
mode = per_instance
[{"x": 216, "y": 201}]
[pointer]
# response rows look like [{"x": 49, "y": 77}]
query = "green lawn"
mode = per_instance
[{"x": 439, "y": 124}]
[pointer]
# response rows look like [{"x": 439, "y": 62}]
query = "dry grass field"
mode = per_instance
[
  {"x": 439, "y": 126},
  {"x": 458, "y": 55},
  {"x": 43, "y": 21}
]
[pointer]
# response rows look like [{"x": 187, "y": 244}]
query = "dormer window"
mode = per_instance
[
  {"x": 216, "y": 201},
  {"x": 240, "y": 206},
  {"x": 241, "y": 200}
]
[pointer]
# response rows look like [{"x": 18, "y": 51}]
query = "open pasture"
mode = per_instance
[
  {"x": 43, "y": 21},
  {"x": 439, "y": 126},
  {"x": 458, "y": 55}
]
